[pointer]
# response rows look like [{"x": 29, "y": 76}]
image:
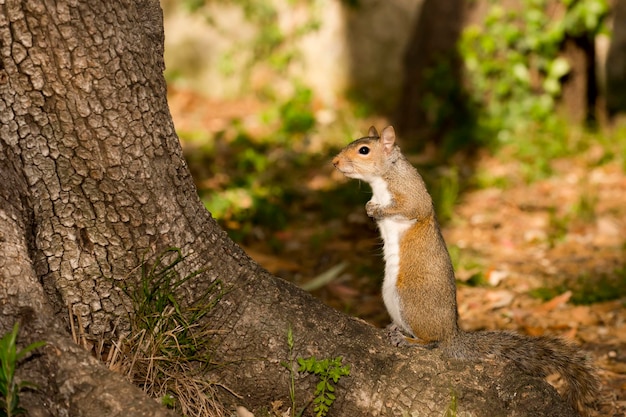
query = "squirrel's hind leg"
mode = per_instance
[{"x": 398, "y": 338}]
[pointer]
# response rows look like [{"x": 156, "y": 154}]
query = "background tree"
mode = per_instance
[
  {"x": 433, "y": 68},
  {"x": 94, "y": 182},
  {"x": 616, "y": 63}
]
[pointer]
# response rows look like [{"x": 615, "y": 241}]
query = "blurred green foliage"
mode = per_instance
[
  {"x": 588, "y": 288},
  {"x": 257, "y": 173},
  {"x": 514, "y": 76},
  {"x": 252, "y": 191},
  {"x": 508, "y": 96},
  {"x": 513, "y": 61},
  {"x": 445, "y": 189},
  {"x": 272, "y": 45},
  {"x": 297, "y": 113},
  {"x": 469, "y": 267},
  {"x": 450, "y": 110}
]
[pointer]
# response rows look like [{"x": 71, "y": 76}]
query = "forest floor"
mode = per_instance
[{"x": 546, "y": 257}]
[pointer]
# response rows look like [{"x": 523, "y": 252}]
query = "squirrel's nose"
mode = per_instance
[{"x": 335, "y": 161}]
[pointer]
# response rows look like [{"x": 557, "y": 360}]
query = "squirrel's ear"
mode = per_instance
[
  {"x": 389, "y": 138},
  {"x": 372, "y": 133}
]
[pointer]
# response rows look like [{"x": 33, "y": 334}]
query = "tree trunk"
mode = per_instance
[
  {"x": 93, "y": 181},
  {"x": 616, "y": 62},
  {"x": 432, "y": 66},
  {"x": 580, "y": 89}
]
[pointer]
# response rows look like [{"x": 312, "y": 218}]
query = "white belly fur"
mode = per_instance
[{"x": 391, "y": 231}]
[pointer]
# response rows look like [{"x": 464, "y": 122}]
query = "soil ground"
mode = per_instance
[{"x": 563, "y": 237}]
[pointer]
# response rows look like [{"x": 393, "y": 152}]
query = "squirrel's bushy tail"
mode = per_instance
[{"x": 537, "y": 356}]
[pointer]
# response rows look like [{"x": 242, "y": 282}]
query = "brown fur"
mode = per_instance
[{"x": 431, "y": 312}]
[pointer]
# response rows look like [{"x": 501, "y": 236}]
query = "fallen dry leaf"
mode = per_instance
[{"x": 555, "y": 302}]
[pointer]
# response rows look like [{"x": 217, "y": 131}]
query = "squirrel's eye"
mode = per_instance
[{"x": 364, "y": 150}]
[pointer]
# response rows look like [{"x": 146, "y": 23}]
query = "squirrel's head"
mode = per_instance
[{"x": 368, "y": 157}]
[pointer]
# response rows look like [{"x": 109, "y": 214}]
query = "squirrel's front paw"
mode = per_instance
[{"x": 373, "y": 210}]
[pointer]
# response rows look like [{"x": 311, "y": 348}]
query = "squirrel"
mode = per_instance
[{"x": 419, "y": 285}]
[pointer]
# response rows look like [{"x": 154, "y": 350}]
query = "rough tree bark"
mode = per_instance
[{"x": 93, "y": 179}]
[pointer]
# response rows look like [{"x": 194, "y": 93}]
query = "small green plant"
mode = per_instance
[
  {"x": 292, "y": 373},
  {"x": 171, "y": 346},
  {"x": 9, "y": 358},
  {"x": 157, "y": 294},
  {"x": 451, "y": 410},
  {"x": 329, "y": 371},
  {"x": 168, "y": 401}
]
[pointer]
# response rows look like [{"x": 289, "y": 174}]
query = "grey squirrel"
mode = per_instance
[{"x": 419, "y": 286}]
